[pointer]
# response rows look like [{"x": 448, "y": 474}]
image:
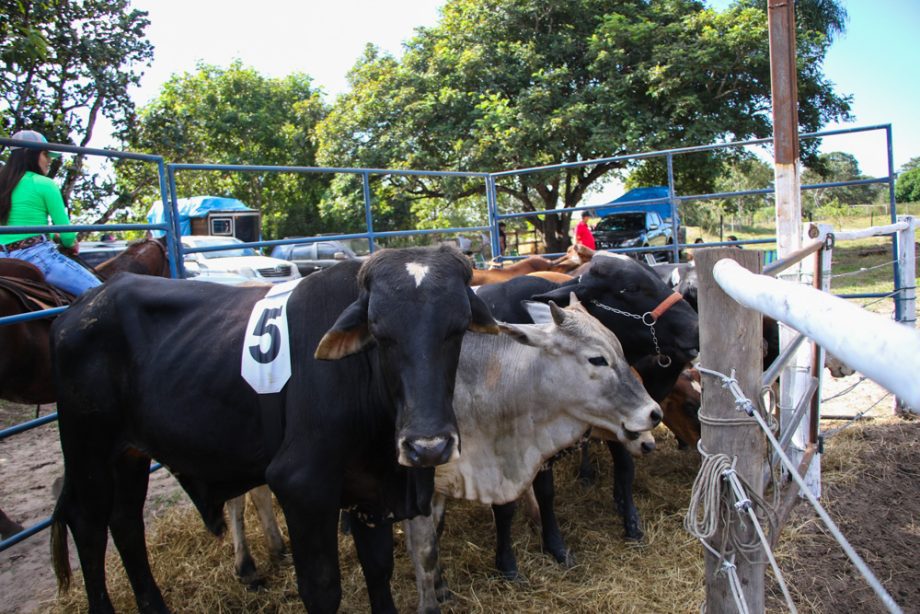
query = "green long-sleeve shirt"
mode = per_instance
[{"x": 34, "y": 199}]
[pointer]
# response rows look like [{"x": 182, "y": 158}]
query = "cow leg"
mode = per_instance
[
  {"x": 312, "y": 527},
  {"x": 586, "y": 473},
  {"x": 132, "y": 474},
  {"x": 243, "y": 563},
  {"x": 374, "y": 544},
  {"x": 624, "y": 473},
  {"x": 422, "y": 539},
  {"x": 553, "y": 543},
  {"x": 261, "y": 497},
  {"x": 504, "y": 555},
  {"x": 85, "y": 505}
]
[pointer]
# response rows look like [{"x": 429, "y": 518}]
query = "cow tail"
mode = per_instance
[{"x": 60, "y": 556}]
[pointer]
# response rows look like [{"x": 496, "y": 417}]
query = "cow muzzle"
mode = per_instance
[{"x": 428, "y": 451}]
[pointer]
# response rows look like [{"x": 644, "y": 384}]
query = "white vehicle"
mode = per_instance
[{"x": 242, "y": 261}]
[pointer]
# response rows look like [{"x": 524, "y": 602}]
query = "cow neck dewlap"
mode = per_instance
[{"x": 417, "y": 271}]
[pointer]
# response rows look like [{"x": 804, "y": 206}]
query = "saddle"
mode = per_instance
[{"x": 26, "y": 282}]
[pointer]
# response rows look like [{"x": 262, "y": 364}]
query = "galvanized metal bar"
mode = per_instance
[
  {"x": 800, "y": 409},
  {"x": 793, "y": 258},
  {"x": 25, "y": 534},
  {"x": 32, "y": 315},
  {"x": 28, "y": 425},
  {"x": 368, "y": 215},
  {"x": 176, "y": 225},
  {"x": 8, "y": 230},
  {"x": 61, "y": 147},
  {"x": 769, "y": 376},
  {"x": 683, "y": 150},
  {"x": 169, "y": 213},
  {"x": 323, "y": 170},
  {"x": 672, "y": 201},
  {"x": 893, "y": 210}
]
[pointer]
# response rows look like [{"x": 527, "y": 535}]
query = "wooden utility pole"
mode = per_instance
[
  {"x": 783, "y": 77},
  {"x": 783, "y": 80},
  {"x": 731, "y": 337}
]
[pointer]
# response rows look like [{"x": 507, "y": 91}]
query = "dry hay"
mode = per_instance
[{"x": 664, "y": 574}]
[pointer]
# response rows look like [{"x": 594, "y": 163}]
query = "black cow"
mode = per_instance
[
  {"x": 150, "y": 368},
  {"x": 618, "y": 291}
]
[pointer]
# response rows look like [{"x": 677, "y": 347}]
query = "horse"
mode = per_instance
[
  {"x": 25, "y": 363},
  {"x": 145, "y": 257}
]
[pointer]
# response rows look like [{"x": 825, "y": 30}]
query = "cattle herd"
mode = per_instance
[{"x": 381, "y": 388}]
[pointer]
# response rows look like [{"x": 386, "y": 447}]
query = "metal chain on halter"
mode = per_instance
[{"x": 647, "y": 318}]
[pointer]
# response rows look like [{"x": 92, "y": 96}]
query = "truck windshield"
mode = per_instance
[{"x": 622, "y": 221}]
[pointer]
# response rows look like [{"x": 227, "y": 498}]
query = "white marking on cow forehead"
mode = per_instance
[{"x": 418, "y": 271}]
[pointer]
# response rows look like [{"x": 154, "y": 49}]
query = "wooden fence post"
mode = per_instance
[{"x": 731, "y": 337}]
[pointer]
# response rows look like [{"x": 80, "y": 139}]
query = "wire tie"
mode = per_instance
[{"x": 743, "y": 505}]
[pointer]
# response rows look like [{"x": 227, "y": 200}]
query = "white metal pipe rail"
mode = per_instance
[{"x": 881, "y": 349}]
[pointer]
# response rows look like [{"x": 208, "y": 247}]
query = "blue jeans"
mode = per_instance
[{"x": 60, "y": 271}]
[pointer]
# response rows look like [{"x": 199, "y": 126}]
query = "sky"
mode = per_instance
[{"x": 875, "y": 60}]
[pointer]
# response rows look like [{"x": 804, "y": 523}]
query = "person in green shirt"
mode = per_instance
[{"x": 29, "y": 198}]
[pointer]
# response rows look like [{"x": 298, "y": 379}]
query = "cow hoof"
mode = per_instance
[
  {"x": 633, "y": 534},
  {"x": 587, "y": 478},
  {"x": 255, "y": 585},
  {"x": 563, "y": 556},
  {"x": 514, "y": 576}
]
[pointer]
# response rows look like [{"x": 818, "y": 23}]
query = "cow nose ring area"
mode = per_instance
[{"x": 425, "y": 451}]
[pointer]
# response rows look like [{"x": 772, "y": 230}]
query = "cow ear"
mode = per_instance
[
  {"x": 349, "y": 335},
  {"x": 525, "y": 334},
  {"x": 539, "y": 312},
  {"x": 558, "y": 313},
  {"x": 482, "y": 321}
]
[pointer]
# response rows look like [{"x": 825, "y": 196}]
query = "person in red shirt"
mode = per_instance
[{"x": 583, "y": 235}]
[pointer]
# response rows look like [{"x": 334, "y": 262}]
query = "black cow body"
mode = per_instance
[
  {"x": 629, "y": 287},
  {"x": 150, "y": 368}
]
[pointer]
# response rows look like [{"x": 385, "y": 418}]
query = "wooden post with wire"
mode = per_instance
[{"x": 731, "y": 337}]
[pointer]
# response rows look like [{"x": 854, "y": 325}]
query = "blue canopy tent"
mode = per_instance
[
  {"x": 219, "y": 216},
  {"x": 639, "y": 194}
]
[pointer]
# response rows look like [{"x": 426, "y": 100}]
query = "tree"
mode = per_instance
[
  {"x": 498, "y": 85},
  {"x": 63, "y": 66},
  {"x": 907, "y": 187},
  {"x": 235, "y": 115},
  {"x": 835, "y": 167}
]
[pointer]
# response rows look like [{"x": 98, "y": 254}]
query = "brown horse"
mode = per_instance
[
  {"x": 25, "y": 361},
  {"x": 145, "y": 257}
]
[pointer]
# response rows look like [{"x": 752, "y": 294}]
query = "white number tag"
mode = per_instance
[{"x": 266, "y": 363}]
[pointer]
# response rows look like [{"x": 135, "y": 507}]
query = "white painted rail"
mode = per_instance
[
  {"x": 875, "y": 231},
  {"x": 881, "y": 349}
]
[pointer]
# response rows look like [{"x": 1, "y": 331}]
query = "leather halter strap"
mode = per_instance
[{"x": 666, "y": 304}]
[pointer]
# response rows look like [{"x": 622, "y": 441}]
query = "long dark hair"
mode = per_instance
[{"x": 20, "y": 161}]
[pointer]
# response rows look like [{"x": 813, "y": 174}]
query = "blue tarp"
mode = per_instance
[
  {"x": 637, "y": 194},
  {"x": 196, "y": 206}
]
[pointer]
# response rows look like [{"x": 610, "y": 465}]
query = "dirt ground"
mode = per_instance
[{"x": 871, "y": 488}]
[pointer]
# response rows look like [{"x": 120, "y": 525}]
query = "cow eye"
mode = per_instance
[{"x": 598, "y": 361}]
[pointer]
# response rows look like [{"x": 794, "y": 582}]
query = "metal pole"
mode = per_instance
[
  {"x": 672, "y": 200},
  {"x": 368, "y": 217}
]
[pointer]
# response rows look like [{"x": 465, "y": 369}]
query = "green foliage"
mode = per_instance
[
  {"x": 832, "y": 167},
  {"x": 65, "y": 64},
  {"x": 907, "y": 187},
  {"x": 235, "y": 115},
  {"x": 498, "y": 85}
]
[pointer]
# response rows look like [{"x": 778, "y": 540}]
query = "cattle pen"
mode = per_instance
[{"x": 797, "y": 434}]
